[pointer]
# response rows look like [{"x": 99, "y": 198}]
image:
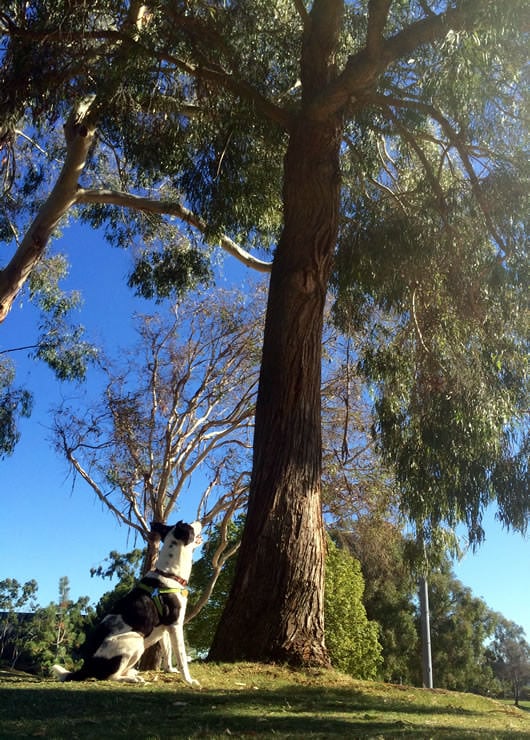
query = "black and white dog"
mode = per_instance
[{"x": 154, "y": 610}]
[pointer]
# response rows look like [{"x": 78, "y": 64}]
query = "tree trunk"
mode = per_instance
[
  {"x": 152, "y": 659},
  {"x": 275, "y": 610}
]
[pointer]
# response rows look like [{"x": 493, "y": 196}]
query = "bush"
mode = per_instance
[{"x": 350, "y": 637}]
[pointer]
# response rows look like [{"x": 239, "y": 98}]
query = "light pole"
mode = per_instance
[{"x": 425, "y": 634}]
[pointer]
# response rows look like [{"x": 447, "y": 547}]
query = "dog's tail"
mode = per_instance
[{"x": 61, "y": 673}]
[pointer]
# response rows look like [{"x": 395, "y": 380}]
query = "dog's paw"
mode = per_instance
[
  {"x": 132, "y": 676},
  {"x": 59, "y": 672},
  {"x": 194, "y": 683}
]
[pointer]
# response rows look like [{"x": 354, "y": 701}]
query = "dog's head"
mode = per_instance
[
  {"x": 180, "y": 540},
  {"x": 186, "y": 533}
]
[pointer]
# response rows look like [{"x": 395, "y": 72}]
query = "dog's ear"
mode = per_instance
[
  {"x": 161, "y": 529},
  {"x": 184, "y": 532}
]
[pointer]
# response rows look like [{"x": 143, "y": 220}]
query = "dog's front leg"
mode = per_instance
[{"x": 176, "y": 634}]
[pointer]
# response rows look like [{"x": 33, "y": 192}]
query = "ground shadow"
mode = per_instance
[{"x": 107, "y": 710}]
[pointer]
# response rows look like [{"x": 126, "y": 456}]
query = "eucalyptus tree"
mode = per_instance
[
  {"x": 375, "y": 146},
  {"x": 172, "y": 426}
]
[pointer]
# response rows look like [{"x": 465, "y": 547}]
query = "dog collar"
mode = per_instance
[{"x": 178, "y": 579}]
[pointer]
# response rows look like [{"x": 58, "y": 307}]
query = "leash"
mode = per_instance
[{"x": 155, "y": 593}]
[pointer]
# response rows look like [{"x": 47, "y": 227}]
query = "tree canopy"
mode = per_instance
[{"x": 375, "y": 147}]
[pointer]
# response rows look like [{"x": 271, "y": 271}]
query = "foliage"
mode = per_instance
[
  {"x": 15, "y": 597},
  {"x": 449, "y": 368},
  {"x": 60, "y": 344},
  {"x": 389, "y": 593},
  {"x": 14, "y": 403},
  {"x": 38, "y": 637},
  {"x": 350, "y": 637},
  {"x": 169, "y": 274}
]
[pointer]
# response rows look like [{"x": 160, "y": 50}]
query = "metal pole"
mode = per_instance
[{"x": 425, "y": 635}]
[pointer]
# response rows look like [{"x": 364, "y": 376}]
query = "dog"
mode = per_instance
[{"x": 154, "y": 610}]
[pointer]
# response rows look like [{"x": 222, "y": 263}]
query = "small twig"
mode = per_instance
[{"x": 416, "y": 323}]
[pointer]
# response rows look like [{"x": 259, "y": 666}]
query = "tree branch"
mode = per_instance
[
  {"x": 170, "y": 208},
  {"x": 207, "y": 71},
  {"x": 319, "y": 47},
  {"x": 79, "y": 134},
  {"x": 455, "y": 140},
  {"x": 79, "y": 131},
  {"x": 220, "y": 556},
  {"x": 431, "y": 176},
  {"x": 377, "y": 16},
  {"x": 237, "y": 86},
  {"x": 363, "y": 70},
  {"x": 143, "y": 528},
  {"x": 302, "y": 12}
]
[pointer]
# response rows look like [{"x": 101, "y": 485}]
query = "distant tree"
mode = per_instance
[
  {"x": 389, "y": 597},
  {"x": 176, "y": 412},
  {"x": 15, "y": 598},
  {"x": 56, "y": 632},
  {"x": 175, "y": 417},
  {"x": 509, "y": 655},
  {"x": 461, "y": 626},
  {"x": 35, "y": 637},
  {"x": 126, "y": 568}
]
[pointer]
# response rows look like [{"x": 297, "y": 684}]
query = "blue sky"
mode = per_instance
[{"x": 52, "y": 526}]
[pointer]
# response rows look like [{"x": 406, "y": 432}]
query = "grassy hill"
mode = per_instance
[{"x": 245, "y": 701}]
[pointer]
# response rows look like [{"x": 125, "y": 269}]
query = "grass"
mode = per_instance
[{"x": 246, "y": 701}]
